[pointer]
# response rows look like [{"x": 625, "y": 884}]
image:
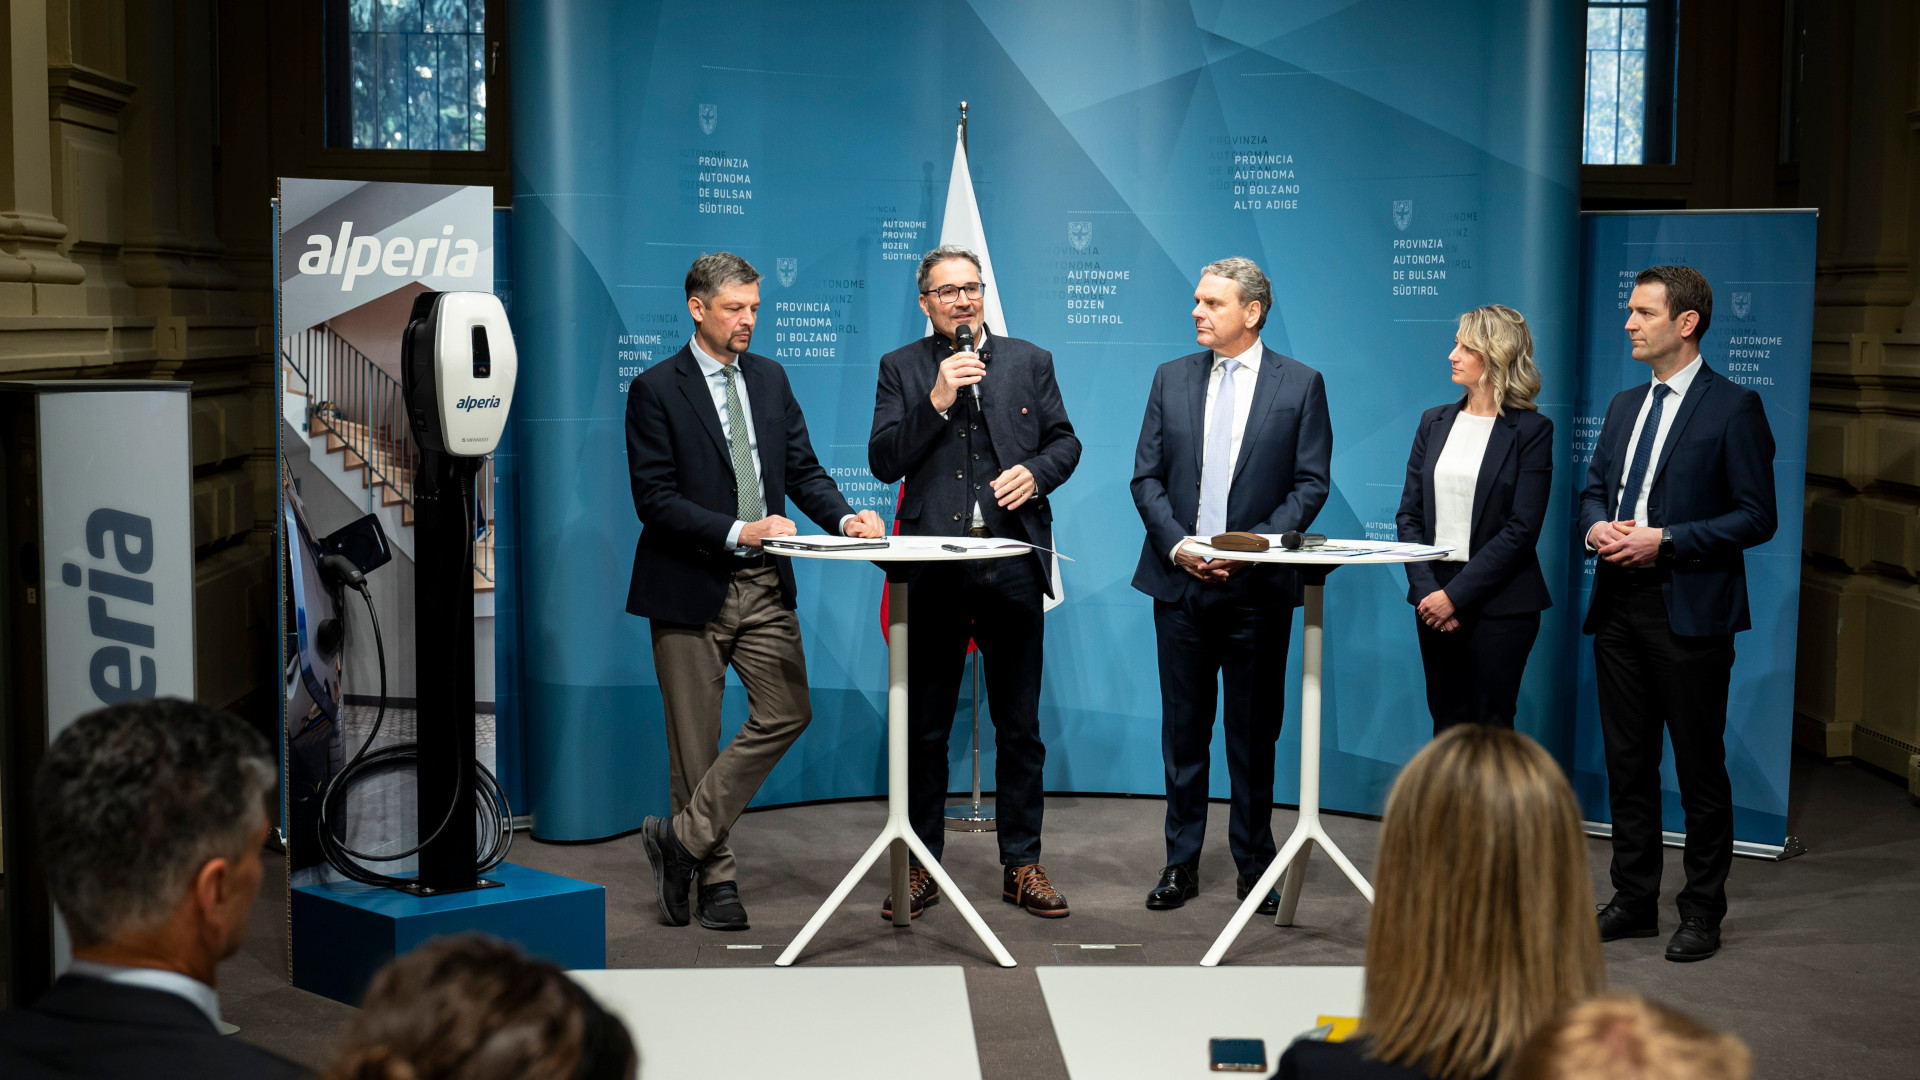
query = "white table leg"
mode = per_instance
[
  {"x": 898, "y": 833},
  {"x": 1307, "y": 832}
]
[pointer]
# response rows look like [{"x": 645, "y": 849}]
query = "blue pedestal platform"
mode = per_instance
[{"x": 343, "y": 932}]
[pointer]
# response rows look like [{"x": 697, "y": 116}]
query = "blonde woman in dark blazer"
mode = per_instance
[
  {"x": 1482, "y": 926},
  {"x": 1478, "y": 481}
]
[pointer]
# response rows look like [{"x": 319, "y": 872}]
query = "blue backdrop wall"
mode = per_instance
[{"x": 1390, "y": 163}]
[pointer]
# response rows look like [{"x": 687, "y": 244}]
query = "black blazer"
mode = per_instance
[
  {"x": 91, "y": 1027},
  {"x": 683, "y": 489},
  {"x": 1509, "y": 506},
  {"x": 1024, "y": 416},
  {"x": 1713, "y": 486},
  {"x": 1280, "y": 480},
  {"x": 1311, "y": 1059}
]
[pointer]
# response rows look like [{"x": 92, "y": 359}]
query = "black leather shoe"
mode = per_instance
[
  {"x": 673, "y": 869},
  {"x": 1617, "y": 922},
  {"x": 719, "y": 907},
  {"x": 1696, "y": 939},
  {"x": 1179, "y": 883},
  {"x": 1244, "y": 884}
]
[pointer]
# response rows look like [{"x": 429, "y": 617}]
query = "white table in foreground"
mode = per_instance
[
  {"x": 810, "y": 1024},
  {"x": 1156, "y": 1021},
  {"x": 1314, "y": 567},
  {"x": 898, "y": 834}
]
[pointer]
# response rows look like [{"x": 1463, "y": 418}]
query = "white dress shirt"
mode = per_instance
[
  {"x": 1455, "y": 475},
  {"x": 1678, "y": 383},
  {"x": 171, "y": 982},
  {"x": 715, "y": 373},
  {"x": 1244, "y": 379}
]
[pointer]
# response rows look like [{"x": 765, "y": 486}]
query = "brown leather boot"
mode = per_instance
[
  {"x": 1028, "y": 887},
  {"x": 921, "y": 891}
]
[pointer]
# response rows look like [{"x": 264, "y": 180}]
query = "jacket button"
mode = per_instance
[
  {"x": 956, "y": 517},
  {"x": 957, "y": 475}
]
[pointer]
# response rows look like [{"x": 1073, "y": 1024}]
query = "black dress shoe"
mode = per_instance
[
  {"x": 1696, "y": 939},
  {"x": 719, "y": 907},
  {"x": 673, "y": 869},
  {"x": 1179, "y": 883},
  {"x": 1269, "y": 907},
  {"x": 1617, "y": 922}
]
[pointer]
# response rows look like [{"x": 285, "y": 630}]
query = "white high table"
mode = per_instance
[
  {"x": 898, "y": 835},
  {"x": 1292, "y": 858}
]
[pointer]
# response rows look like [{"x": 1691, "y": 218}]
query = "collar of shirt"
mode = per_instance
[
  {"x": 170, "y": 982},
  {"x": 1249, "y": 359},
  {"x": 709, "y": 367},
  {"x": 1680, "y": 380}
]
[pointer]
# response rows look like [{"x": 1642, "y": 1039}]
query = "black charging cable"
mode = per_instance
[{"x": 490, "y": 802}]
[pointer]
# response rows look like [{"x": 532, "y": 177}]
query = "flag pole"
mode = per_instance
[{"x": 975, "y": 818}]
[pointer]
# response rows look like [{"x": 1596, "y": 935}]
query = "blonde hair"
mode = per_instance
[
  {"x": 1498, "y": 335},
  {"x": 1627, "y": 1037},
  {"x": 1483, "y": 925}
]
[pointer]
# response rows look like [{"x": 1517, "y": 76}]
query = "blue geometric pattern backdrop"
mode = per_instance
[{"x": 1390, "y": 163}]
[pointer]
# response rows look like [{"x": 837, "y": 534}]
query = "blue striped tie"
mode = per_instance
[
  {"x": 1643, "y": 454},
  {"x": 1216, "y": 468}
]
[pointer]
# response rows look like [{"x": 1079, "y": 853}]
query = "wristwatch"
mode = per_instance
[{"x": 1666, "y": 543}]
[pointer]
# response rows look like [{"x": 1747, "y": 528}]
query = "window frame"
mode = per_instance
[{"x": 1673, "y": 180}]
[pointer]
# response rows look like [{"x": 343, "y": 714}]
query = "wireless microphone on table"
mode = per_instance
[{"x": 1294, "y": 541}]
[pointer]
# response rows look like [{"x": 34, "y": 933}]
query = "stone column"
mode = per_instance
[{"x": 30, "y": 235}]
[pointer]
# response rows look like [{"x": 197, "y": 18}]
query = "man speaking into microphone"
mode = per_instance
[{"x": 974, "y": 423}]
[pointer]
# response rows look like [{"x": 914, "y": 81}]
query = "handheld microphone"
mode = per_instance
[
  {"x": 963, "y": 340},
  {"x": 1295, "y": 540}
]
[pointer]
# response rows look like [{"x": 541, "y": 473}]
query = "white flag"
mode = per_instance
[{"x": 962, "y": 226}]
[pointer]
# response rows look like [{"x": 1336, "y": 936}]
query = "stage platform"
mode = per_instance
[{"x": 1816, "y": 974}]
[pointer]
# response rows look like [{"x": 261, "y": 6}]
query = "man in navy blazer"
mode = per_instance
[
  {"x": 716, "y": 444},
  {"x": 1680, "y": 485},
  {"x": 1236, "y": 438},
  {"x": 980, "y": 454}
]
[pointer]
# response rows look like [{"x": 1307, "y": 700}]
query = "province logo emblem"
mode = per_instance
[
  {"x": 1742, "y": 304},
  {"x": 709, "y": 118},
  {"x": 1079, "y": 234},
  {"x": 788, "y": 269},
  {"x": 1402, "y": 214}
]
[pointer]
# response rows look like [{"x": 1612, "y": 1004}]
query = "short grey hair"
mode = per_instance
[
  {"x": 132, "y": 800},
  {"x": 712, "y": 272},
  {"x": 1245, "y": 273},
  {"x": 946, "y": 253}
]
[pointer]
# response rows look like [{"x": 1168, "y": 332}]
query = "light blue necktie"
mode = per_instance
[
  {"x": 1642, "y": 455},
  {"x": 1216, "y": 470}
]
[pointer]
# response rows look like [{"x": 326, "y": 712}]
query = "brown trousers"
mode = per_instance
[{"x": 760, "y": 638}]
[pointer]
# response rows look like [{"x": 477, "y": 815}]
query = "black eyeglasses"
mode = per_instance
[{"x": 949, "y": 294}]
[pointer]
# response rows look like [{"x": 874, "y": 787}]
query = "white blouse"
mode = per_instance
[{"x": 1454, "y": 477}]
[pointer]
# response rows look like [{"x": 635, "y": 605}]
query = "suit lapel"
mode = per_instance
[
  {"x": 1499, "y": 445},
  {"x": 1196, "y": 380},
  {"x": 700, "y": 399},
  {"x": 1622, "y": 454},
  {"x": 769, "y": 434},
  {"x": 1265, "y": 388},
  {"x": 1702, "y": 386}
]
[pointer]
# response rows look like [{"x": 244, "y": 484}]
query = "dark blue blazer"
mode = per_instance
[
  {"x": 1713, "y": 486},
  {"x": 683, "y": 489},
  {"x": 90, "y": 1027},
  {"x": 1280, "y": 480},
  {"x": 1024, "y": 416},
  {"x": 1509, "y": 506}
]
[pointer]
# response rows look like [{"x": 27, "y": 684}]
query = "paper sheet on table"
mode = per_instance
[
  {"x": 973, "y": 543},
  {"x": 824, "y": 542}
]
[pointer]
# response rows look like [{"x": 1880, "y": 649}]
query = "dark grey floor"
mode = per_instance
[{"x": 1820, "y": 972}]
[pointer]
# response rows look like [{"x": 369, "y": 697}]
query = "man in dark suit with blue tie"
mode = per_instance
[
  {"x": 981, "y": 456},
  {"x": 1236, "y": 438},
  {"x": 1680, "y": 485},
  {"x": 716, "y": 445}
]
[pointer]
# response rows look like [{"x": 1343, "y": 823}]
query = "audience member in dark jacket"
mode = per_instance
[{"x": 149, "y": 817}]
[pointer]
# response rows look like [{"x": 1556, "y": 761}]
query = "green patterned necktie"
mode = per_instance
[{"x": 743, "y": 477}]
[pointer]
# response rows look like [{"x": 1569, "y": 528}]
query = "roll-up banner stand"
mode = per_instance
[
  {"x": 1760, "y": 264},
  {"x": 97, "y": 480}
]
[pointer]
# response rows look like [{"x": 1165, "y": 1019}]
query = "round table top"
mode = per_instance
[
  {"x": 902, "y": 549},
  {"x": 1387, "y": 553}
]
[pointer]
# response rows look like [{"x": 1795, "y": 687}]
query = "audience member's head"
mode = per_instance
[
  {"x": 1483, "y": 925},
  {"x": 1626, "y": 1037},
  {"x": 150, "y": 817},
  {"x": 473, "y": 1008}
]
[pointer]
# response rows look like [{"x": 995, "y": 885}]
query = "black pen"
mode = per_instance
[{"x": 953, "y": 547}]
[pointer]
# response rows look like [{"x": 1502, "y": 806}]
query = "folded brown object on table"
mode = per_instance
[{"x": 1239, "y": 541}]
